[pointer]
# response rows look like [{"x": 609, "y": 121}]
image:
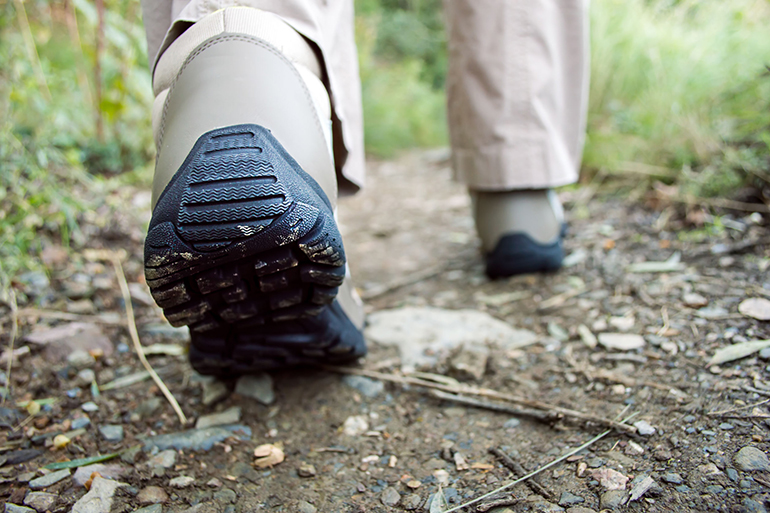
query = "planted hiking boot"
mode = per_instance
[
  {"x": 243, "y": 246},
  {"x": 521, "y": 231}
]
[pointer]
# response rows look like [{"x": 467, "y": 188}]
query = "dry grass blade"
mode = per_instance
[
  {"x": 132, "y": 330},
  {"x": 12, "y": 341},
  {"x": 485, "y": 392}
]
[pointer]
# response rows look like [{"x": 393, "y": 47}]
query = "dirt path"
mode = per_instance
[{"x": 358, "y": 445}]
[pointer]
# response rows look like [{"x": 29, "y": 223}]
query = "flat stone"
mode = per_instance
[
  {"x": 470, "y": 363},
  {"x": 229, "y": 416},
  {"x": 15, "y": 508},
  {"x": 155, "y": 508},
  {"x": 49, "y": 480},
  {"x": 214, "y": 391},
  {"x": 694, "y": 300},
  {"x": 147, "y": 408},
  {"x": 511, "y": 423},
  {"x": 422, "y": 333},
  {"x": 226, "y": 496},
  {"x": 390, "y": 497},
  {"x": 306, "y": 507},
  {"x": 152, "y": 495},
  {"x": 369, "y": 387},
  {"x": 256, "y": 386},
  {"x": 644, "y": 428},
  {"x": 580, "y": 509},
  {"x": 612, "y": 499},
  {"x": 81, "y": 422},
  {"x": 306, "y": 470},
  {"x": 672, "y": 478},
  {"x": 113, "y": 433},
  {"x": 621, "y": 341},
  {"x": 81, "y": 359},
  {"x": 107, "y": 471},
  {"x": 89, "y": 407},
  {"x": 63, "y": 340},
  {"x": 750, "y": 458},
  {"x": 99, "y": 497},
  {"x": 85, "y": 377},
  {"x": 40, "y": 501},
  {"x": 181, "y": 481},
  {"x": 757, "y": 308},
  {"x": 570, "y": 499},
  {"x": 412, "y": 502},
  {"x": 197, "y": 439},
  {"x": 753, "y": 506},
  {"x": 165, "y": 459}
]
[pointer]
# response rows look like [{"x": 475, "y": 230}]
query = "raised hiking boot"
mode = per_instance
[
  {"x": 521, "y": 231},
  {"x": 243, "y": 246}
]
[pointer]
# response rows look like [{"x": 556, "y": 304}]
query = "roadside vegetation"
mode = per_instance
[{"x": 680, "y": 92}]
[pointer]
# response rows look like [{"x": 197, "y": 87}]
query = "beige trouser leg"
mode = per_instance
[
  {"x": 517, "y": 91},
  {"x": 328, "y": 24}
]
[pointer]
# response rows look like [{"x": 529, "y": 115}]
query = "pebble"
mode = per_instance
[
  {"x": 181, "y": 482},
  {"x": 512, "y": 423},
  {"x": 99, "y": 497},
  {"x": 85, "y": 377},
  {"x": 683, "y": 489},
  {"x": 112, "y": 432},
  {"x": 570, "y": 499},
  {"x": 621, "y": 341},
  {"x": 80, "y": 359},
  {"x": 165, "y": 459},
  {"x": 306, "y": 507},
  {"x": 111, "y": 471},
  {"x": 355, "y": 425},
  {"x": 49, "y": 480},
  {"x": 689, "y": 419},
  {"x": 89, "y": 407},
  {"x": 369, "y": 387},
  {"x": 390, "y": 497},
  {"x": 152, "y": 495},
  {"x": 412, "y": 502},
  {"x": 147, "y": 409},
  {"x": 256, "y": 386},
  {"x": 732, "y": 474},
  {"x": 15, "y": 508},
  {"x": 229, "y": 416},
  {"x": 214, "y": 391},
  {"x": 695, "y": 300},
  {"x": 765, "y": 353},
  {"x": 752, "y": 506},
  {"x": 714, "y": 489},
  {"x": 155, "y": 508},
  {"x": 644, "y": 428},
  {"x": 726, "y": 426},
  {"x": 672, "y": 478},
  {"x": 81, "y": 422},
  {"x": 225, "y": 495},
  {"x": 40, "y": 501},
  {"x": 750, "y": 458},
  {"x": 580, "y": 509},
  {"x": 306, "y": 470},
  {"x": 612, "y": 499},
  {"x": 197, "y": 439}
]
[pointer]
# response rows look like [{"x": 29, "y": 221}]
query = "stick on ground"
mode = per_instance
[{"x": 519, "y": 471}]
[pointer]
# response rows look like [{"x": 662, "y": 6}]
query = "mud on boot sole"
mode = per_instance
[{"x": 243, "y": 248}]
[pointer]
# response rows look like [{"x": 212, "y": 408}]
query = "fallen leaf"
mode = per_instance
[
  {"x": 438, "y": 504},
  {"x": 756, "y": 308},
  {"x": 737, "y": 351}
]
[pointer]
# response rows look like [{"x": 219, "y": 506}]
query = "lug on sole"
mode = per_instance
[{"x": 243, "y": 248}]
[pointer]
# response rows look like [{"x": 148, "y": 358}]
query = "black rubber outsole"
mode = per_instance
[
  {"x": 243, "y": 248},
  {"x": 518, "y": 253}
]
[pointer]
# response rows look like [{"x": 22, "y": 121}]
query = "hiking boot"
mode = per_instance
[
  {"x": 243, "y": 246},
  {"x": 521, "y": 231}
]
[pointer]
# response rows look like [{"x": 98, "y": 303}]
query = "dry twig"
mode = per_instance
[
  {"x": 485, "y": 392},
  {"x": 733, "y": 410},
  {"x": 523, "y": 412},
  {"x": 132, "y": 330},
  {"x": 65, "y": 316},
  {"x": 519, "y": 471},
  {"x": 498, "y": 503}
]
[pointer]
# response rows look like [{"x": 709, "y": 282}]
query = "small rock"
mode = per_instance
[
  {"x": 732, "y": 474},
  {"x": 197, "y": 439},
  {"x": 83, "y": 474},
  {"x": 99, "y": 497},
  {"x": 85, "y": 377},
  {"x": 214, "y": 483},
  {"x": 726, "y": 426},
  {"x": 25, "y": 477},
  {"x": 147, "y": 409},
  {"x": 644, "y": 428},
  {"x": 612, "y": 499},
  {"x": 89, "y": 407},
  {"x": 63, "y": 341},
  {"x": 750, "y": 458},
  {"x": 229, "y": 416},
  {"x": 694, "y": 300},
  {"x": 306, "y": 507},
  {"x": 214, "y": 391},
  {"x": 113, "y": 433},
  {"x": 40, "y": 501},
  {"x": 80, "y": 422},
  {"x": 80, "y": 359},
  {"x": 390, "y": 497},
  {"x": 756, "y": 308},
  {"x": 752, "y": 506},
  {"x": 512, "y": 423},
  {"x": 355, "y": 425},
  {"x": 15, "y": 508},
  {"x": 412, "y": 502},
  {"x": 306, "y": 470},
  {"x": 181, "y": 482},
  {"x": 689, "y": 419},
  {"x": 610, "y": 479},
  {"x": 580, "y": 509},
  {"x": 49, "y": 480},
  {"x": 165, "y": 459},
  {"x": 633, "y": 449},
  {"x": 257, "y": 386},
  {"x": 672, "y": 478},
  {"x": 152, "y": 495},
  {"x": 470, "y": 362},
  {"x": 155, "y": 508},
  {"x": 621, "y": 341},
  {"x": 369, "y": 387},
  {"x": 625, "y": 323},
  {"x": 570, "y": 499},
  {"x": 226, "y": 496},
  {"x": 765, "y": 353}
]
